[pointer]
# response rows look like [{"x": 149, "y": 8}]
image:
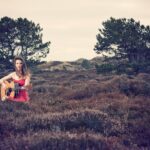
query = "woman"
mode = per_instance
[{"x": 21, "y": 76}]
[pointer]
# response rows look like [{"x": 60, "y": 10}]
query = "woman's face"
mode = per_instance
[{"x": 18, "y": 65}]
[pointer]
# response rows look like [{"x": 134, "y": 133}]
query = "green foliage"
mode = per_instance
[
  {"x": 104, "y": 68},
  {"x": 141, "y": 67},
  {"x": 121, "y": 68},
  {"x": 86, "y": 64},
  {"x": 21, "y": 37},
  {"x": 8, "y": 34},
  {"x": 124, "y": 38}
]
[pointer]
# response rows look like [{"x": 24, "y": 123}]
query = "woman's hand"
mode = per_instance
[
  {"x": 3, "y": 85},
  {"x": 1, "y": 82}
]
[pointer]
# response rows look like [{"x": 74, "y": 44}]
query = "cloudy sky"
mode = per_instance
[{"x": 72, "y": 25}]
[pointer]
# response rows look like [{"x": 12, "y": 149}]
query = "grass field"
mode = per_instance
[{"x": 79, "y": 110}]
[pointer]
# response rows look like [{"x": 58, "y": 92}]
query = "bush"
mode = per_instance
[
  {"x": 104, "y": 68},
  {"x": 86, "y": 64},
  {"x": 123, "y": 67}
]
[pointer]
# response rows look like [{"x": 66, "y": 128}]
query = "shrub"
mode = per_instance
[
  {"x": 104, "y": 68},
  {"x": 123, "y": 67},
  {"x": 86, "y": 64}
]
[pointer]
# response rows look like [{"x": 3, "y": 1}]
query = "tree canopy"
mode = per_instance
[
  {"x": 21, "y": 37},
  {"x": 124, "y": 38}
]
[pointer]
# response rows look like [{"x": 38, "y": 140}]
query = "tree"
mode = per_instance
[
  {"x": 8, "y": 34},
  {"x": 30, "y": 40},
  {"x": 22, "y": 37},
  {"x": 124, "y": 38}
]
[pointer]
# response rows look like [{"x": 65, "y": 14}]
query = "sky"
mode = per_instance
[{"x": 72, "y": 25}]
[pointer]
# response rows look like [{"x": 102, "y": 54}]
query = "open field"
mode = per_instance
[{"x": 73, "y": 110}]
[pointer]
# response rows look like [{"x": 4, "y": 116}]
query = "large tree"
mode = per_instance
[
  {"x": 8, "y": 33},
  {"x": 22, "y": 37},
  {"x": 124, "y": 38},
  {"x": 30, "y": 40}
]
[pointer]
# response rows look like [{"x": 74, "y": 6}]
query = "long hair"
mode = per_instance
[{"x": 25, "y": 70}]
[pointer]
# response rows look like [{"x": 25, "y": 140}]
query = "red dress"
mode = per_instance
[{"x": 23, "y": 94}]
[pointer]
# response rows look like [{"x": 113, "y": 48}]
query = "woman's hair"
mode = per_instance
[{"x": 25, "y": 70}]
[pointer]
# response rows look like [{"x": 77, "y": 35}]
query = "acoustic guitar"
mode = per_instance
[{"x": 11, "y": 89}]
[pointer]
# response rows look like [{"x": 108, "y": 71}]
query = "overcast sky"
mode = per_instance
[{"x": 72, "y": 25}]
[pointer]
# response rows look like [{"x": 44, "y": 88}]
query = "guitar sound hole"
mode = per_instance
[{"x": 8, "y": 91}]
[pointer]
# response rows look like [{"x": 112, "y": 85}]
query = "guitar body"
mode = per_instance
[{"x": 10, "y": 90}]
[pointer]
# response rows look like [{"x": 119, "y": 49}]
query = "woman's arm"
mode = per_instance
[
  {"x": 27, "y": 84},
  {"x": 2, "y": 80}
]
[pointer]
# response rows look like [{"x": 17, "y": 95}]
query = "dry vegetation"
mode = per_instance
[{"x": 79, "y": 110}]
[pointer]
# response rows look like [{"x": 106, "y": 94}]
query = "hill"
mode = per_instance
[{"x": 79, "y": 64}]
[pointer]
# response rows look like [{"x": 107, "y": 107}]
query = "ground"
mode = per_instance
[{"x": 79, "y": 110}]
